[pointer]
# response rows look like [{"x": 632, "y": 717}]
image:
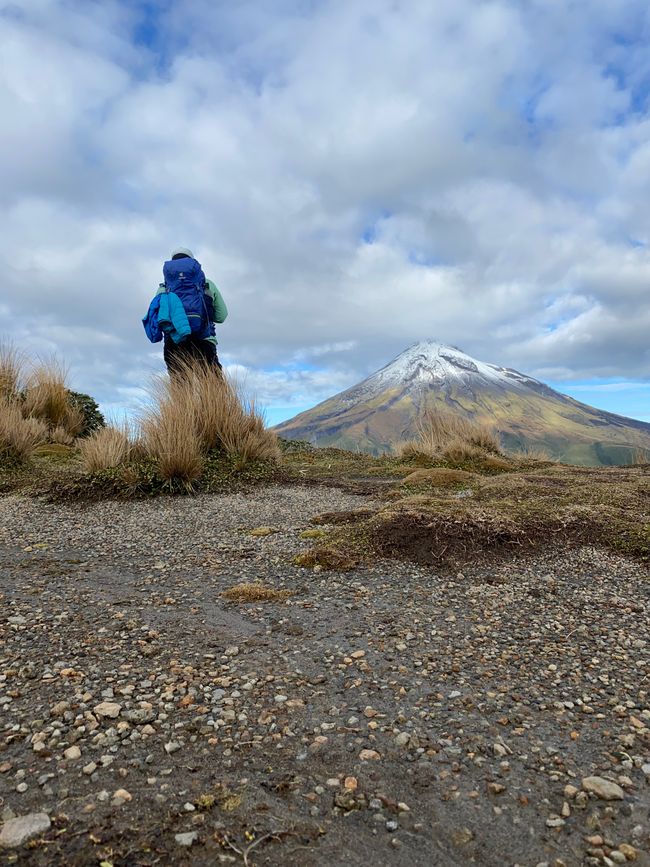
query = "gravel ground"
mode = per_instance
[{"x": 413, "y": 717}]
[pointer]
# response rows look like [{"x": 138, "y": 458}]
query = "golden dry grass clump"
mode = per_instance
[
  {"x": 11, "y": 371},
  {"x": 451, "y": 439},
  {"x": 199, "y": 410},
  {"x": 35, "y": 407},
  {"x": 46, "y": 397},
  {"x": 19, "y": 436},
  {"x": 106, "y": 448},
  {"x": 255, "y": 592}
]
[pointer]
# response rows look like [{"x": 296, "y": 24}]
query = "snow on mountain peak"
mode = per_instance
[{"x": 428, "y": 362}]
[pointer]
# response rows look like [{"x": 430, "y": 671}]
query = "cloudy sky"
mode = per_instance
[{"x": 354, "y": 175}]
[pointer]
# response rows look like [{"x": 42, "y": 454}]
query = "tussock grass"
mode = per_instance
[
  {"x": 46, "y": 397},
  {"x": 106, "y": 448},
  {"x": 60, "y": 436},
  {"x": 443, "y": 438},
  {"x": 255, "y": 592},
  {"x": 199, "y": 411},
  {"x": 12, "y": 366},
  {"x": 19, "y": 436}
]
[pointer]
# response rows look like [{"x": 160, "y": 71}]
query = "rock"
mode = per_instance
[
  {"x": 496, "y": 788},
  {"x": 499, "y": 750},
  {"x": 262, "y": 531},
  {"x": 570, "y": 791},
  {"x": 391, "y": 825},
  {"x": 172, "y": 747},
  {"x": 555, "y": 822},
  {"x": 17, "y": 831},
  {"x": 89, "y": 769},
  {"x": 18, "y": 620},
  {"x": 350, "y": 783},
  {"x": 72, "y": 753},
  {"x": 110, "y": 709},
  {"x": 402, "y": 739},
  {"x": 187, "y": 838},
  {"x": 369, "y": 755},
  {"x": 602, "y": 788},
  {"x": 629, "y": 851},
  {"x": 121, "y": 796}
]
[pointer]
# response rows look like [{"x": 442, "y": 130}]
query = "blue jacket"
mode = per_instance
[{"x": 166, "y": 315}]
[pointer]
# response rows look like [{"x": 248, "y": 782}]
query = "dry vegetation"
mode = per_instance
[
  {"x": 255, "y": 592},
  {"x": 470, "y": 501},
  {"x": 106, "y": 448},
  {"x": 199, "y": 411},
  {"x": 35, "y": 406}
]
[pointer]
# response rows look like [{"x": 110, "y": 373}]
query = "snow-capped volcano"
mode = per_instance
[
  {"x": 428, "y": 361},
  {"x": 382, "y": 410}
]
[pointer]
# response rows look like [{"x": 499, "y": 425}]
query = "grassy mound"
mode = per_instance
[{"x": 514, "y": 512}]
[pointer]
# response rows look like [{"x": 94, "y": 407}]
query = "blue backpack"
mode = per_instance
[{"x": 185, "y": 278}]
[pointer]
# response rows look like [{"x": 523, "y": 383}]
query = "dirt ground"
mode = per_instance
[{"x": 397, "y": 714}]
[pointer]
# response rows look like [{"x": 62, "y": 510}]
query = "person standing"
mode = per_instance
[{"x": 184, "y": 313}]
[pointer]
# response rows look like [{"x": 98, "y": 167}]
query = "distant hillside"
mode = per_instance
[{"x": 380, "y": 412}]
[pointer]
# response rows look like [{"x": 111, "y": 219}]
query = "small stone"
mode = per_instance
[
  {"x": 358, "y": 654},
  {"x": 233, "y": 650},
  {"x": 629, "y": 851},
  {"x": 172, "y": 747},
  {"x": 402, "y": 739},
  {"x": 110, "y": 709},
  {"x": 121, "y": 795},
  {"x": 555, "y": 822},
  {"x": 17, "y": 620},
  {"x": 72, "y": 753},
  {"x": 602, "y": 788},
  {"x": 496, "y": 788},
  {"x": 17, "y": 831},
  {"x": 350, "y": 783},
  {"x": 369, "y": 755},
  {"x": 89, "y": 769},
  {"x": 391, "y": 825},
  {"x": 262, "y": 531},
  {"x": 21, "y": 788},
  {"x": 186, "y": 839},
  {"x": 617, "y": 857},
  {"x": 570, "y": 791},
  {"x": 499, "y": 750}
]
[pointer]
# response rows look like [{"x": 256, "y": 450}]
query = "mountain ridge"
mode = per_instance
[{"x": 381, "y": 411}]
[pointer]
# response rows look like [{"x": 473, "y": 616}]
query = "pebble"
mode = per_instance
[
  {"x": 72, "y": 753},
  {"x": 18, "y": 830},
  {"x": 187, "y": 838},
  {"x": 369, "y": 755},
  {"x": 110, "y": 709},
  {"x": 602, "y": 788}
]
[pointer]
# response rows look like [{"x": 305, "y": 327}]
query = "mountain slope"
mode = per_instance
[{"x": 380, "y": 412}]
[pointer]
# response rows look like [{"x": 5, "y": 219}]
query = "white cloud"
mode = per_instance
[{"x": 354, "y": 177}]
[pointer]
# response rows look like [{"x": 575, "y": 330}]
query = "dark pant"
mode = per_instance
[{"x": 190, "y": 349}]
